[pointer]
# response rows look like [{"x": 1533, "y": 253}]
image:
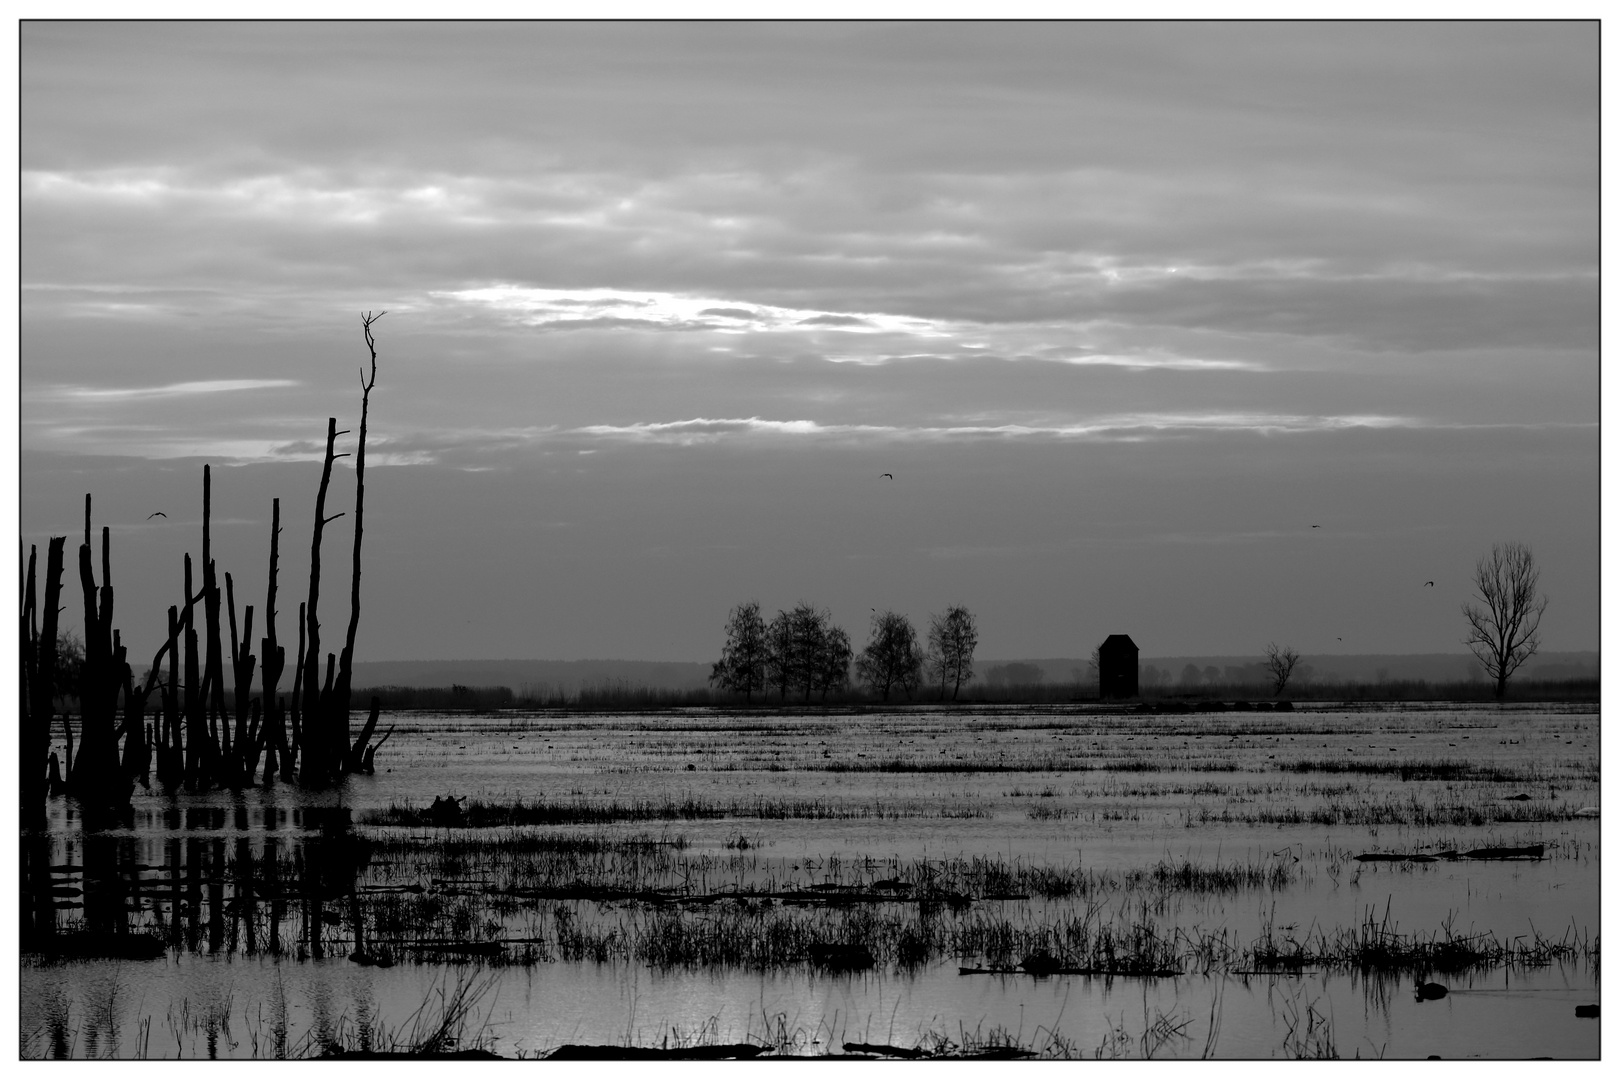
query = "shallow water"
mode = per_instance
[{"x": 1080, "y": 788}]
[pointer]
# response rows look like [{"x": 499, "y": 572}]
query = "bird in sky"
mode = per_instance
[
  {"x": 1316, "y": 526},
  {"x": 1427, "y": 584},
  {"x": 890, "y": 475},
  {"x": 156, "y": 513}
]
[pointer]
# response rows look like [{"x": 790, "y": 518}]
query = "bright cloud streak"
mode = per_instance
[
  {"x": 1168, "y": 363},
  {"x": 571, "y": 308},
  {"x": 133, "y": 393},
  {"x": 686, "y": 432}
]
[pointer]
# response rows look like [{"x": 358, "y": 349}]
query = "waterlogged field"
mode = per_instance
[{"x": 1059, "y": 882}]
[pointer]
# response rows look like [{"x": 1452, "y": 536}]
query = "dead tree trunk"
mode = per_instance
[
  {"x": 318, "y": 764},
  {"x": 97, "y": 775},
  {"x": 137, "y": 748},
  {"x": 36, "y": 740},
  {"x": 272, "y": 659},
  {"x": 246, "y": 742},
  {"x": 171, "y": 761},
  {"x": 346, "y": 662},
  {"x": 193, "y": 721},
  {"x": 214, "y": 676},
  {"x": 358, "y": 754},
  {"x": 298, "y": 693},
  {"x": 29, "y": 640}
]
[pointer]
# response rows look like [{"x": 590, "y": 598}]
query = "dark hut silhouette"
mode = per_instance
[{"x": 1116, "y": 667}]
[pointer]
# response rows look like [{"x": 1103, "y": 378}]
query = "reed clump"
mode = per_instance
[{"x": 1377, "y": 945}]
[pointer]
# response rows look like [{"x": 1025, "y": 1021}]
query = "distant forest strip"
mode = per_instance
[{"x": 620, "y": 694}]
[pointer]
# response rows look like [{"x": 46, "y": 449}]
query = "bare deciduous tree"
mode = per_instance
[
  {"x": 741, "y": 666},
  {"x": 809, "y": 632},
  {"x": 1503, "y": 633},
  {"x": 952, "y": 637},
  {"x": 805, "y": 651},
  {"x": 1280, "y": 666},
  {"x": 779, "y": 654},
  {"x": 832, "y": 661},
  {"x": 891, "y": 657}
]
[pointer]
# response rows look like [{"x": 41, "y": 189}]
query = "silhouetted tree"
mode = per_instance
[
  {"x": 318, "y": 763},
  {"x": 1190, "y": 676},
  {"x": 809, "y": 647},
  {"x": 340, "y": 706},
  {"x": 891, "y": 657},
  {"x": 93, "y": 776},
  {"x": 40, "y": 635},
  {"x": 741, "y": 667},
  {"x": 1279, "y": 665},
  {"x": 1503, "y": 633},
  {"x": 832, "y": 660},
  {"x": 952, "y": 637},
  {"x": 779, "y": 655},
  {"x": 805, "y": 652}
]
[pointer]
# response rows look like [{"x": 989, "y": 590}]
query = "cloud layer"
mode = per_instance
[{"x": 1240, "y": 243}]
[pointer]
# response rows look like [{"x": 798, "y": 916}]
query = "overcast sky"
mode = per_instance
[{"x": 1126, "y": 310}]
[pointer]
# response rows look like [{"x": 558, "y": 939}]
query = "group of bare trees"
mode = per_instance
[
  {"x": 195, "y": 737},
  {"x": 801, "y": 651}
]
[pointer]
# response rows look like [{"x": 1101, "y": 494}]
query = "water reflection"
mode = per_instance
[
  {"x": 264, "y": 923},
  {"x": 203, "y": 879}
]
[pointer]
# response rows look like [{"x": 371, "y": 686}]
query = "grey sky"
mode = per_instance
[{"x": 1125, "y": 309}]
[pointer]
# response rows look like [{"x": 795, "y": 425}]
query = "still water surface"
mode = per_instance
[{"x": 1079, "y": 788}]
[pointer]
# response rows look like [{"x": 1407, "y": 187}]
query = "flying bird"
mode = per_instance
[
  {"x": 156, "y": 513},
  {"x": 890, "y": 475},
  {"x": 1316, "y": 526},
  {"x": 1426, "y": 584}
]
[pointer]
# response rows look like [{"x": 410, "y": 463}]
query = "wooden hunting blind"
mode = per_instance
[{"x": 1116, "y": 667}]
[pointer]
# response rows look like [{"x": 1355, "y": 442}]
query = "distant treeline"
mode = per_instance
[{"x": 621, "y": 694}]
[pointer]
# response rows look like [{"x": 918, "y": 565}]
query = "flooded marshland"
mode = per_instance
[{"x": 1063, "y": 881}]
